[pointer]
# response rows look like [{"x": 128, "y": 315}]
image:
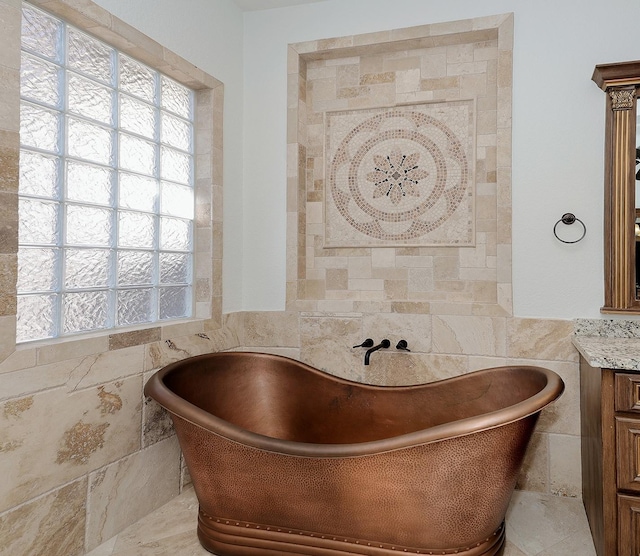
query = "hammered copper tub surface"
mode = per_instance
[{"x": 286, "y": 459}]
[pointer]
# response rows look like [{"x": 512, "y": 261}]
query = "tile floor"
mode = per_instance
[{"x": 537, "y": 525}]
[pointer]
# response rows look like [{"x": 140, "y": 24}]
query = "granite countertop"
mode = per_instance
[{"x": 610, "y": 352}]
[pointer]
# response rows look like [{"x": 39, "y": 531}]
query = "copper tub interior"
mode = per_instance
[{"x": 286, "y": 459}]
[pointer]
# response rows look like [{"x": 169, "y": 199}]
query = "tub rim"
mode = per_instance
[{"x": 157, "y": 390}]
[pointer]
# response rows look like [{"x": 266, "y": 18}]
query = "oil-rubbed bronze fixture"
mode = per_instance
[
  {"x": 403, "y": 345},
  {"x": 382, "y": 345},
  {"x": 366, "y": 344},
  {"x": 569, "y": 218}
]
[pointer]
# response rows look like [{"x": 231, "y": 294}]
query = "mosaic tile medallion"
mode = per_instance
[{"x": 400, "y": 176}]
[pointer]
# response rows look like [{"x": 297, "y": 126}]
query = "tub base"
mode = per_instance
[{"x": 228, "y": 537}]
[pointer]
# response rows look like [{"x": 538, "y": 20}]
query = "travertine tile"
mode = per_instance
[
  {"x": 106, "y": 548},
  {"x": 10, "y": 20},
  {"x": 477, "y": 363},
  {"x": 271, "y": 329},
  {"x": 579, "y": 542},
  {"x": 467, "y": 59},
  {"x": 408, "y": 80},
  {"x": 563, "y": 415},
  {"x": 9, "y": 160},
  {"x": 346, "y": 75},
  {"x": 410, "y": 307},
  {"x": 340, "y": 306},
  {"x": 377, "y": 78},
  {"x": 127, "y": 490},
  {"x": 84, "y": 431},
  {"x": 534, "y": 474},
  {"x": 359, "y": 267},
  {"x": 415, "y": 329},
  {"x": 420, "y": 280},
  {"x": 79, "y": 12},
  {"x": 9, "y": 98},
  {"x": 334, "y": 43},
  {"x": 71, "y": 374},
  {"x": 396, "y": 289},
  {"x": 185, "y": 476},
  {"x": 451, "y": 308},
  {"x": 401, "y": 369},
  {"x": 168, "y": 531},
  {"x": 171, "y": 529},
  {"x": 325, "y": 343},
  {"x": 541, "y": 339},
  {"x": 337, "y": 278},
  {"x": 127, "y": 339},
  {"x": 446, "y": 268},
  {"x": 565, "y": 478},
  {"x": 383, "y": 258},
  {"x": 291, "y": 353},
  {"x": 17, "y": 359},
  {"x": 8, "y": 222},
  {"x": 106, "y": 366},
  {"x": 8, "y": 273},
  {"x": 66, "y": 349},
  {"x": 313, "y": 289},
  {"x": 505, "y": 298},
  {"x": 156, "y": 421},
  {"x": 537, "y": 524},
  {"x": 52, "y": 524},
  {"x": 469, "y": 335},
  {"x": 22, "y": 381},
  {"x": 220, "y": 336},
  {"x": 510, "y": 549},
  {"x": 170, "y": 350},
  {"x": 319, "y": 70}
]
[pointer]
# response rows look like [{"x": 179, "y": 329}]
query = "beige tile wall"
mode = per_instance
[
  {"x": 441, "y": 347},
  {"x": 468, "y": 60},
  {"x": 9, "y": 156},
  {"x": 82, "y": 453},
  {"x": 452, "y": 305}
]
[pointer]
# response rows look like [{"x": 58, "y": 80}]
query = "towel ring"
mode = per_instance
[{"x": 568, "y": 219}]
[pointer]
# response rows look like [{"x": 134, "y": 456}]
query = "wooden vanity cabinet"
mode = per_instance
[{"x": 610, "y": 430}]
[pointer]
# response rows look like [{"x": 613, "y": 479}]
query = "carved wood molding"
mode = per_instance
[
  {"x": 621, "y": 82},
  {"x": 622, "y": 99},
  {"x": 617, "y": 75}
]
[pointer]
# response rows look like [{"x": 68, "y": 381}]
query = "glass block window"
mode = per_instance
[{"x": 106, "y": 186}]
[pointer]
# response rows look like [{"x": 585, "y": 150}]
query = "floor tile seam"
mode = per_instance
[
  {"x": 564, "y": 543},
  {"x": 154, "y": 544}
]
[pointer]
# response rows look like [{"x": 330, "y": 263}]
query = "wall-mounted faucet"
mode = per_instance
[
  {"x": 382, "y": 345},
  {"x": 403, "y": 345},
  {"x": 366, "y": 344}
]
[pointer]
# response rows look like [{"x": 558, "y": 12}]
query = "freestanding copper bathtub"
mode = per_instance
[{"x": 288, "y": 460}]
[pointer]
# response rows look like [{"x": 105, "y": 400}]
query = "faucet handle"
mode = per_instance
[
  {"x": 366, "y": 344},
  {"x": 402, "y": 345}
]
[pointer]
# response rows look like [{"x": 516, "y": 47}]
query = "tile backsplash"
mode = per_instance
[{"x": 438, "y": 236}]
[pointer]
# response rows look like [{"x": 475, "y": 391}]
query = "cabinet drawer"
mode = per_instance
[
  {"x": 628, "y": 453},
  {"x": 627, "y": 392},
  {"x": 628, "y": 525}
]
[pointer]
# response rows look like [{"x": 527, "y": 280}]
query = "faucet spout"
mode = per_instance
[{"x": 382, "y": 345}]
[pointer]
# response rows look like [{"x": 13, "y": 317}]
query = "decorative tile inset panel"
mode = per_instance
[{"x": 400, "y": 176}]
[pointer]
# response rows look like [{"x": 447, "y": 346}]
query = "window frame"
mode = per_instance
[
  {"x": 60, "y": 103},
  {"x": 209, "y": 105}
]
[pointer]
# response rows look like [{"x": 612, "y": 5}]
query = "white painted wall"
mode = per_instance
[
  {"x": 207, "y": 33},
  {"x": 558, "y": 134},
  {"x": 558, "y": 126}
]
